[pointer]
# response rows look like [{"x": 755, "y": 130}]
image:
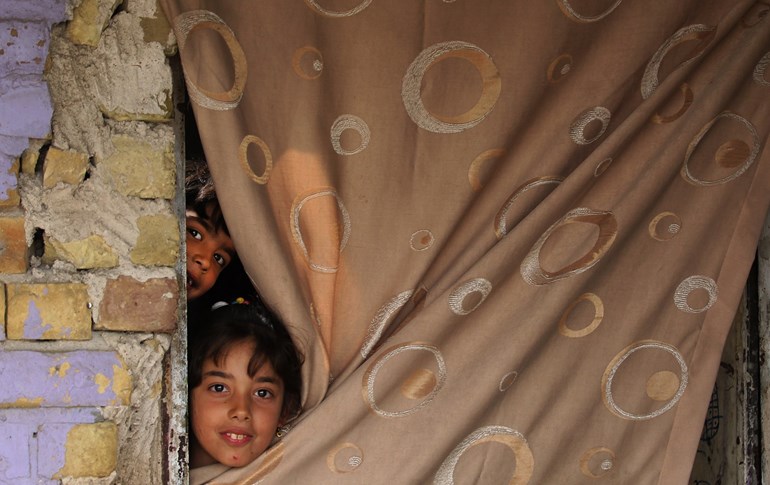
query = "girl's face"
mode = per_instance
[
  {"x": 209, "y": 251},
  {"x": 234, "y": 416}
]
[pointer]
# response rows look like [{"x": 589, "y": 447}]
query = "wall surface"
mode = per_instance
[{"x": 90, "y": 265}]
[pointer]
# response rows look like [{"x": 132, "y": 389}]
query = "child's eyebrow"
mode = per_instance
[
  {"x": 207, "y": 225},
  {"x": 217, "y": 373},
  {"x": 268, "y": 379}
]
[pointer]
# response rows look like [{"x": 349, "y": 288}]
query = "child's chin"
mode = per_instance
[{"x": 237, "y": 461}]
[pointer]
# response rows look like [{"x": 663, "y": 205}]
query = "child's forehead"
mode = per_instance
[{"x": 243, "y": 354}]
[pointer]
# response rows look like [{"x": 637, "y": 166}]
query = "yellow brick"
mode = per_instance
[
  {"x": 89, "y": 18},
  {"x": 139, "y": 169},
  {"x": 64, "y": 166},
  {"x": 55, "y": 311},
  {"x": 91, "y": 450},
  {"x": 158, "y": 241},
  {"x": 88, "y": 253},
  {"x": 11, "y": 196},
  {"x": 14, "y": 254},
  {"x": 30, "y": 156}
]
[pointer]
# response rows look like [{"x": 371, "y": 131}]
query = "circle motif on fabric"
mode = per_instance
[
  {"x": 349, "y": 122},
  {"x": 308, "y": 62},
  {"x": 617, "y": 362},
  {"x": 342, "y": 220},
  {"x": 187, "y": 23},
  {"x": 703, "y": 34},
  {"x": 457, "y": 298},
  {"x": 572, "y": 14},
  {"x": 597, "y": 462},
  {"x": 474, "y": 172},
  {"x": 243, "y": 156},
  {"x": 421, "y": 240},
  {"x": 559, "y": 68},
  {"x": 735, "y": 154},
  {"x": 760, "y": 71},
  {"x": 337, "y": 13},
  {"x": 578, "y": 129},
  {"x": 507, "y": 381},
  {"x": 598, "y": 306},
  {"x": 412, "y": 82},
  {"x": 532, "y": 271},
  {"x": 503, "y": 219},
  {"x": 602, "y": 167},
  {"x": 691, "y": 284},
  {"x": 664, "y": 226},
  {"x": 525, "y": 461},
  {"x": 344, "y": 458},
  {"x": 370, "y": 379},
  {"x": 687, "y": 99},
  {"x": 380, "y": 320}
]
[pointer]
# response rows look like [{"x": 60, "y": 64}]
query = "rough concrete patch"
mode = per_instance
[
  {"x": 77, "y": 122},
  {"x": 134, "y": 78},
  {"x": 139, "y": 425},
  {"x": 70, "y": 213}
]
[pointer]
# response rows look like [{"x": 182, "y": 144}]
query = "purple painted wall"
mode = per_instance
[
  {"x": 62, "y": 388},
  {"x": 25, "y": 104}
]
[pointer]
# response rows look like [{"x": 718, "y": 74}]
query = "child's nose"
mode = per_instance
[
  {"x": 202, "y": 260},
  {"x": 240, "y": 409}
]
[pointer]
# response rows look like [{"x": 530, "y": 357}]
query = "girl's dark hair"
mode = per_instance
[
  {"x": 231, "y": 324},
  {"x": 200, "y": 195}
]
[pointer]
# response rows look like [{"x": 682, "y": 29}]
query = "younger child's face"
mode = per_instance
[
  {"x": 209, "y": 251},
  {"x": 234, "y": 416}
]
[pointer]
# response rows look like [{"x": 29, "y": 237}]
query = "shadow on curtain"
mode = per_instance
[{"x": 510, "y": 237}]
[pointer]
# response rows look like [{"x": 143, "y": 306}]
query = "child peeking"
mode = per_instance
[
  {"x": 209, "y": 247},
  {"x": 245, "y": 384}
]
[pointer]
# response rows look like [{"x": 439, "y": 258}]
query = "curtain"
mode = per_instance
[{"x": 508, "y": 236}]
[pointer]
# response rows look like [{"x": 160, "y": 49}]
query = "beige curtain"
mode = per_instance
[{"x": 509, "y": 236}]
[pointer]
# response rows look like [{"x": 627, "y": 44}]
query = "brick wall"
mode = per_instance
[{"x": 90, "y": 265}]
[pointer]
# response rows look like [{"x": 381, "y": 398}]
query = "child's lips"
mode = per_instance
[
  {"x": 237, "y": 437},
  {"x": 191, "y": 280}
]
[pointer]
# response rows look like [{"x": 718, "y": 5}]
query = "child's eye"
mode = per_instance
[
  {"x": 195, "y": 234},
  {"x": 263, "y": 393},
  {"x": 220, "y": 260},
  {"x": 217, "y": 388}
]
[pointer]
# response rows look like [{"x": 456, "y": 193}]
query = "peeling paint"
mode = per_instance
[
  {"x": 23, "y": 402},
  {"x": 102, "y": 381}
]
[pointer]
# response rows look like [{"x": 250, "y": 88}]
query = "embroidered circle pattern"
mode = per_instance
[
  {"x": 299, "y": 238},
  {"x": 503, "y": 219},
  {"x": 664, "y": 226},
  {"x": 381, "y": 318},
  {"x": 349, "y": 122},
  {"x": 578, "y": 129},
  {"x": 733, "y": 154},
  {"x": 598, "y": 307},
  {"x": 691, "y": 284},
  {"x": 661, "y": 386},
  {"x": 411, "y": 85},
  {"x": 243, "y": 156},
  {"x": 186, "y": 24},
  {"x": 532, "y": 271},
  {"x": 597, "y": 462},
  {"x": 413, "y": 386},
  {"x": 457, "y": 298},
  {"x": 344, "y": 458},
  {"x": 704, "y": 34},
  {"x": 570, "y": 12},
  {"x": 525, "y": 461}
]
